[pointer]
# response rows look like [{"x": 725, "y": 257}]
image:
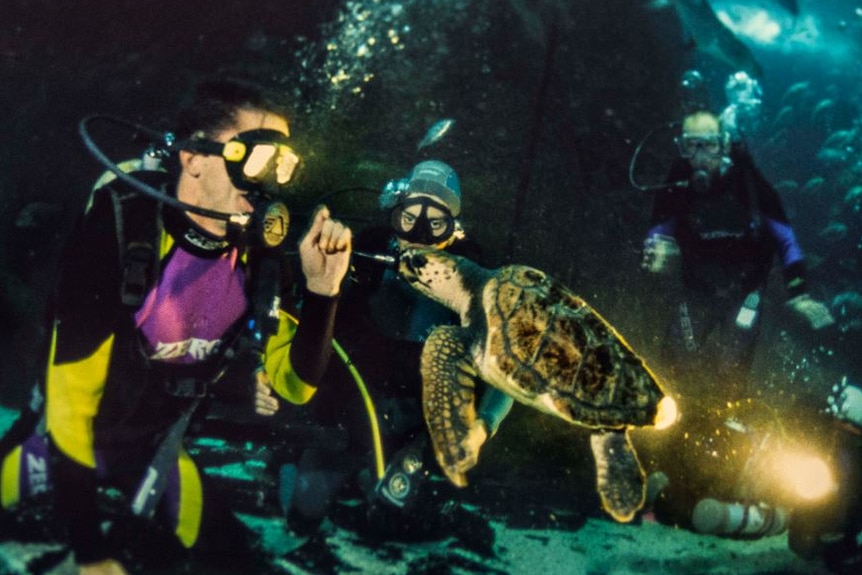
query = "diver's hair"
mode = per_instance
[{"x": 214, "y": 105}]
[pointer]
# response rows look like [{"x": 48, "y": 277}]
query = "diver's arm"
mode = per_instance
[
  {"x": 297, "y": 355},
  {"x": 86, "y": 307},
  {"x": 295, "y": 365},
  {"x": 312, "y": 346},
  {"x": 790, "y": 252},
  {"x": 73, "y": 394},
  {"x": 778, "y": 226}
]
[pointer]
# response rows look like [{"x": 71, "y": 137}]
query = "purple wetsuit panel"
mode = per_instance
[{"x": 196, "y": 301}]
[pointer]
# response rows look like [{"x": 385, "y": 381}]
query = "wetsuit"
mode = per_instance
[
  {"x": 119, "y": 376},
  {"x": 728, "y": 236},
  {"x": 383, "y": 325}
]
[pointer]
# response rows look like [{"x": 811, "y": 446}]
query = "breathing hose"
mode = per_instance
[{"x": 379, "y": 463}]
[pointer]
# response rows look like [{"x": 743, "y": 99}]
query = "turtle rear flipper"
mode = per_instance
[
  {"x": 448, "y": 397},
  {"x": 619, "y": 476}
]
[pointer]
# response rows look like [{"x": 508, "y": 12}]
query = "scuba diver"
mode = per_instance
[
  {"x": 383, "y": 324},
  {"x": 165, "y": 300},
  {"x": 716, "y": 226}
]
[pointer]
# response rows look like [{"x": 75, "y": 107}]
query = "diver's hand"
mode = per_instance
[
  {"x": 845, "y": 402},
  {"x": 471, "y": 445},
  {"x": 811, "y": 311},
  {"x": 105, "y": 567},
  {"x": 661, "y": 255},
  {"x": 264, "y": 402},
  {"x": 325, "y": 253}
]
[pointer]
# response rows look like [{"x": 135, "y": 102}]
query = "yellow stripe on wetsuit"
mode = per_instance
[
  {"x": 10, "y": 484},
  {"x": 191, "y": 501},
  {"x": 74, "y": 392},
  {"x": 284, "y": 380}
]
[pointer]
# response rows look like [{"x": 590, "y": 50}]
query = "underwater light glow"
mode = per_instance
[
  {"x": 808, "y": 476},
  {"x": 666, "y": 414},
  {"x": 754, "y": 23}
]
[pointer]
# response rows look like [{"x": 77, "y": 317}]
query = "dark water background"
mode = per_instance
[{"x": 550, "y": 99}]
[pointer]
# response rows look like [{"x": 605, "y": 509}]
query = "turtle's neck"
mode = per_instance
[{"x": 473, "y": 277}]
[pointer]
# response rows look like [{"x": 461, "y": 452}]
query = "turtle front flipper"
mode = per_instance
[
  {"x": 619, "y": 476},
  {"x": 448, "y": 397}
]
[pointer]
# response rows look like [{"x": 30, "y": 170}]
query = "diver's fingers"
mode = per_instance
[
  {"x": 312, "y": 236},
  {"x": 264, "y": 402},
  {"x": 334, "y": 237}
]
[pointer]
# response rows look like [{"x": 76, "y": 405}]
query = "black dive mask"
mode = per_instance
[
  {"x": 419, "y": 228},
  {"x": 255, "y": 160}
]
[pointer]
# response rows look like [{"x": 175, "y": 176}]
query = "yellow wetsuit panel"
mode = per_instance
[
  {"x": 74, "y": 391},
  {"x": 10, "y": 485},
  {"x": 191, "y": 501},
  {"x": 277, "y": 363}
]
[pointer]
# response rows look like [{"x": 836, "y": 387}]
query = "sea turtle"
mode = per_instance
[{"x": 529, "y": 336}]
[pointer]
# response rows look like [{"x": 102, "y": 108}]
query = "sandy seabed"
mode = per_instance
[{"x": 599, "y": 547}]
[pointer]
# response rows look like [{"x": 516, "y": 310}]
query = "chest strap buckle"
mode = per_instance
[{"x": 186, "y": 387}]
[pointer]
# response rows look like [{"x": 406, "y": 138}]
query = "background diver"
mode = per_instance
[
  {"x": 715, "y": 228},
  {"x": 383, "y": 324}
]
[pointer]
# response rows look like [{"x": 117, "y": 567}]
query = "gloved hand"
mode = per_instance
[
  {"x": 661, "y": 255},
  {"x": 845, "y": 402},
  {"x": 815, "y": 313}
]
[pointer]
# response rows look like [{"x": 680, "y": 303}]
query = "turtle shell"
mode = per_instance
[{"x": 552, "y": 351}]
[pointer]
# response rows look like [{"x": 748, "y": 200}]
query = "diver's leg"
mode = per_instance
[
  {"x": 738, "y": 346},
  {"x": 682, "y": 348},
  {"x": 319, "y": 476},
  {"x": 24, "y": 471},
  {"x": 198, "y": 512}
]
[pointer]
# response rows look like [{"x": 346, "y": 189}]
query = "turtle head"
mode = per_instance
[{"x": 438, "y": 275}]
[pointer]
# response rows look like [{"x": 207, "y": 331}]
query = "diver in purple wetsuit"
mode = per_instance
[
  {"x": 123, "y": 370},
  {"x": 717, "y": 227}
]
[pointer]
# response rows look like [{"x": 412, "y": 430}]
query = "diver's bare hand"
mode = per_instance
[
  {"x": 264, "y": 402},
  {"x": 325, "y": 253},
  {"x": 105, "y": 567}
]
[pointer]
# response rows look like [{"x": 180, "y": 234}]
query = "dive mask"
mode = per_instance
[
  {"x": 417, "y": 227},
  {"x": 255, "y": 160},
  {"x": 690, "y": 145}
]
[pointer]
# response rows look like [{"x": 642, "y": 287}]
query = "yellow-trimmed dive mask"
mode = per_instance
[{"x": 255, "y": 160}]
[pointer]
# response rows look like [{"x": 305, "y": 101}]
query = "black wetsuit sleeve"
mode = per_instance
[{"x": 312, "y": 345}]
